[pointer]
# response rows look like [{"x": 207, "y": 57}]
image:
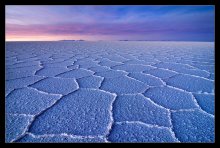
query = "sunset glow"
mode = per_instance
[{"x": 51, "y": 23}]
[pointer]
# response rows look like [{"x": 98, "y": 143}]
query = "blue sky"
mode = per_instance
[{"x": 123, "y": 22}]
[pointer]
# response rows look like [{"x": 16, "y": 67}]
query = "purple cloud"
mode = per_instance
[{"x": 140, "y": 22}]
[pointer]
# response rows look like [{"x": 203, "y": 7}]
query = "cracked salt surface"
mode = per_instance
[
  {"x": 90, "y": 82},
  {"x": 148, "y": 79},
  {"x": 123, "y": 85},
  {"x": 21, "y": 82},
  {"x": 171, "y": 98},
  {"x": 193, "y": 126},
  {"x": 183, "y": 68},
  {"x": 138, "y": 132},
  {"x": 61, "y": 138},
  {"x": 206, "y": 102},
  {"x": 51, "y": 71},
  {"x": 191, "y": 83},
  {"x": 56, "y": 85},
  {"x": 161, "y": 73},
  {"x": 76, "y": 73},
  {"x": 138, "y": 108},
  {"x": 84, "y": 112},
  {"x": 16, "y": 126},
  {"x": 110, "y": 91},
  {"x": 111, "y": 73},
  {"x": 132, "y": 67},
  {"x": 28, "y": 101}
]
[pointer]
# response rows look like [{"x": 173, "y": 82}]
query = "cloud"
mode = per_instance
[{"x": 163, "y": 22}]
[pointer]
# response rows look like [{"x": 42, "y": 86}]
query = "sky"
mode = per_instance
[{"x": 114, "y": 22}]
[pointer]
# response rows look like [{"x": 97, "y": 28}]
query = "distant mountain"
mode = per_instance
[
  {"x": 123, "y": 40},
  {"x": 71, "y": 40},
  {"x": 144, "y": 40}
]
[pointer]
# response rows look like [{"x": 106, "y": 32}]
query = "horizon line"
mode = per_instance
[{"x": 105, "y": 40}]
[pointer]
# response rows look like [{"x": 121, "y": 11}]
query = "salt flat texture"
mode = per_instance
[{"x": 119, "y": 91}]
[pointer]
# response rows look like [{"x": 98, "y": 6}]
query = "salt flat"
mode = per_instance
[{"x": 118, "y": 91}]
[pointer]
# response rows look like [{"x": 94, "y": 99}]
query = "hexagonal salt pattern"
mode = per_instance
[{"x": 110, "y": 91}]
